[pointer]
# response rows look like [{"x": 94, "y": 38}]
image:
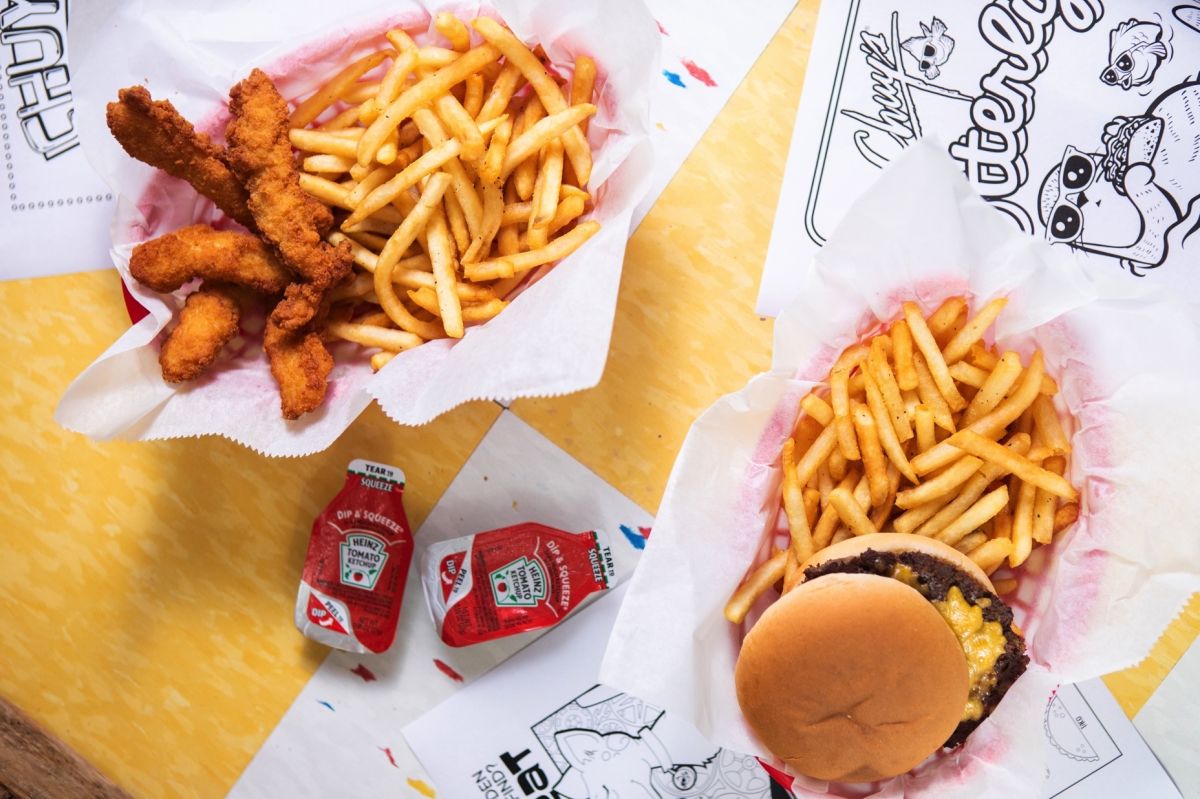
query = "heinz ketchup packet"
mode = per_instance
[
  {"x": 512, "y": 580},
  {"x": 357, "y": 563}
]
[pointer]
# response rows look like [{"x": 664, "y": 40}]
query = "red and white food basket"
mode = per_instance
[
  {"x": 1092, "y": 602},
  {"x": 552, "y": 339}
]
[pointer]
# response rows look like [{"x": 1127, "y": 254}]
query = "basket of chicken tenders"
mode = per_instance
[
  {"x": 411, "y": 204},
  {"x": 966, "y": 479}
]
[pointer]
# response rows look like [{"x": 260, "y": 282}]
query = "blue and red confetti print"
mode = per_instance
[{"x": 636, "y": 538}]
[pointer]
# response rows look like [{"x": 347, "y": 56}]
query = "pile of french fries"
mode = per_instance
[
  {"x": 925, "y": 429},
  {"x": 463, "y": 169}
]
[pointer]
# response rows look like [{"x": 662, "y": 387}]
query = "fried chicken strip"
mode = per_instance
[
  {"x": 166, "y": 263},
  {"x": 155, "y": 133},
  {"x": 300, "y": 364},
  {"x": 302, "y": 303},
  {"x": 208, "y": 321},
  {"x": 292, "y": 221}
]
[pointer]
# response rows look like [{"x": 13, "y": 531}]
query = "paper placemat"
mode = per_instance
[
  {"x": 341, "y": 737},
  {"x": 1077, "y": 121}
]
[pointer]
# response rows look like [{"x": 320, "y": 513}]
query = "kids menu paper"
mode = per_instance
[
  {"x": 56, "y": 209},
  {"x": 542, "y": 726},
  {"x": 1079, "y": 121}
]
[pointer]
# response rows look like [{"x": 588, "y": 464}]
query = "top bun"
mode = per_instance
[
  {"x": 852, "y": 677},
  {"x": 899, "y": 542}
]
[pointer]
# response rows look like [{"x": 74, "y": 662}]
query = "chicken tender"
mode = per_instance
[
  {"x": 166, "y": 263},
  {"x": 302, "y": 304},
  {"x": 301, "y": 366},
  {"x": 291, "y": 220},
  {"x": 208, "y": 321},
  {"x": 154, "y": 132}
]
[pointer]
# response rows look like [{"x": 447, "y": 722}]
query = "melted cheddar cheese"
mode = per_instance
[
  {"x": 982, "y": 641},
  {"x": 907, "y": 576}
]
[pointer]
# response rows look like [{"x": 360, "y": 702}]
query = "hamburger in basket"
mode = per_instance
[
  {"x": 872, "y": 564},
  {"x": 902, "y": 647},
  {"x": 967, "y": 463}
]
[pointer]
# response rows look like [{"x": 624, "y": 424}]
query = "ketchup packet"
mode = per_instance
[
  {"x": 512, "y": 580},
  {"x": 357, "y": 563}
]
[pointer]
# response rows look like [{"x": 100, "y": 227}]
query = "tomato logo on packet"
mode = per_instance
[
  {"x": 530, "y": 576},
  {"x": 357, "y": 562},
  {"x": 520, "y": 584},
  {"x": 362, "y": 556}
]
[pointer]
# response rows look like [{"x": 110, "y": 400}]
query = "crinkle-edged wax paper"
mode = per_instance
[
  {"x": 553, "y": 339},
  {"x": 1093, "y": 602}
]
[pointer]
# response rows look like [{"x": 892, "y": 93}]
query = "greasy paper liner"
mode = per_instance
[
  {"x": 1091, "y": 603},
  {"x": 552, "y": 339}
]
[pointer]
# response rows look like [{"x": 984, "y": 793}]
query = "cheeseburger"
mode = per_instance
[{"x": 892, "y": 647}]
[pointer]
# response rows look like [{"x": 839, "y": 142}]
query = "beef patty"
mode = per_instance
[{"x": 934, "y": 578}]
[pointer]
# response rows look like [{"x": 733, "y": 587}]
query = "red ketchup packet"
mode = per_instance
[
  {"x": 508, "y": 581},
  {"x": 357, "y": 563}
]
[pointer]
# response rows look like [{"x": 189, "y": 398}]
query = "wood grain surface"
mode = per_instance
[{"x": 35, "y": 765}]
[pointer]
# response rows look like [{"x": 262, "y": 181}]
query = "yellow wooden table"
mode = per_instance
[{"x": 146, "y": 589}]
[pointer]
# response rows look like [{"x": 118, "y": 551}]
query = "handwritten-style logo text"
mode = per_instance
[{"x": 34, "y": 34}]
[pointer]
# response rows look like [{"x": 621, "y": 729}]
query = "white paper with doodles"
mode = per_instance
[
  {"x": 56, "y": 208},
  {"x": 1077, "y": 120}
]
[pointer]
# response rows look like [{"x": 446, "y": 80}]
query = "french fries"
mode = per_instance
[
  {"x": 973, "y": 331},
  {"x": 873, "y": 460},
  {"x": 975, "y": 516},
  {"x": 889, "y": 390},
  {"x": 456, "y": 169},
  {"x": 975, "y": 444},
  {"x": 866, "y": 454},
  {"x": 817, "y": 408},
  {"x": 850, "y": 512},
  {"x": 947, "y": 319},
  {"x": 839, "y": 385},
  {"x": 992, "y": 554},
  {"x": 755, "y": 586},
  {"x": 902, "y": 349},
  {"x": 795, "y": 507},
  {"x": 994, "y": 387},
  {"x": 335, "y": 89},
  {"x": 887, "y": 433},
  {"x": 955, "y": 475},
  {"x": 923, "y": 338},
  {"x": 549, "y": 92}
]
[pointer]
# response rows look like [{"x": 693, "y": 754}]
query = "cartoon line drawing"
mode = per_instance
[
  {"x": 606, "y": 746},
  {"x": 894, "y": 91},
  {"x": 34, "y": 35},
  {"x": 931, "y": 49},
  {"x": 1134, "y": 200},
  {"x": 1188, "y": 15},
  {"x": 1064, "y": 733},
  {"x": 1135, "y": 52}
]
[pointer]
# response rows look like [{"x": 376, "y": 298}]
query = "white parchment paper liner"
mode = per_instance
[
  {"x": 1124, "y": 355},
  {"x": 553, "y": 339}
]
